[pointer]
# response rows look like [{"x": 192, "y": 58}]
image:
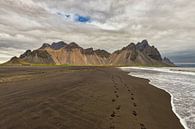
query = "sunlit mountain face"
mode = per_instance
[{"x": 111, "y": 24}]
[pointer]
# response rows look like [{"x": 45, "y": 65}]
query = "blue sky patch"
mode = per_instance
[
  {"x": 75, "y": 17},
  {"x": 82, "y": 19}
]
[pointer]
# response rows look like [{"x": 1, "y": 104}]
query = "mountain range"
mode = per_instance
[{"x": 61, "y": 53}]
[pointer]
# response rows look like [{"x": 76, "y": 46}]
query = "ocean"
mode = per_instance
[
  {"x": 185, "y": 64},
  {"x": 179, "y": 82}
]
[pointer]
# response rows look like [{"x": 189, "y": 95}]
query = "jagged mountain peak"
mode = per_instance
[
  {"x": 45, "y": 45},
  {"x": 73, "y": 45},
  {"x": 58, "y": 45},
  {"x": 140, "y": 53},
  {"x": 26, "y": 53},
  {"x": 62, "y": 53},
  {"x": 88, "y": 51},
  {"x": 145, "y": 42},
  {"x": 131, "y": 46},
  {"x": 14, "y": 58},
  {"x": 142, "y": 45}
]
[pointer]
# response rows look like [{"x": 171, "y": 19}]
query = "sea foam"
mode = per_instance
[{"x": 179, "y": 83}]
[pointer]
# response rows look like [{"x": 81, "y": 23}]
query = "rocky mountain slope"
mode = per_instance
[
  {"x": 62, "y": 53},
  {"x": 137, "y": 54}
]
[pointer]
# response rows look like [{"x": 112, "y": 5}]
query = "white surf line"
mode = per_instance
[
  {"x": 163, "y": 69},
  {"x": 182, "y": 121}
]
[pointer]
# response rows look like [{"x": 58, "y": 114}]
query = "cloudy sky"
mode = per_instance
[{"x": 108, "y": 24}]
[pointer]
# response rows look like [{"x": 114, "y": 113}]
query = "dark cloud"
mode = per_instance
[{"x": 183, "y": 56}]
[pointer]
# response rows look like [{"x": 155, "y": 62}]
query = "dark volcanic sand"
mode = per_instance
[{"x": 81, "y": 98}]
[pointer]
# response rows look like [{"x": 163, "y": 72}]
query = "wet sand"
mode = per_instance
[{"x": 81, "y": 98}]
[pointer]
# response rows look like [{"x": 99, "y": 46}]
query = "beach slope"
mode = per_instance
[{"x": 81, "y": 98}]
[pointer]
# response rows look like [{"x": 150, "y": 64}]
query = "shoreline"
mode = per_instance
[
  {"x": 182, "y": 121},
  {"x": 82, "y": 98}
]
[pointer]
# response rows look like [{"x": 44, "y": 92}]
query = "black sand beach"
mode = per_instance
[{"x": 81, "y": 98}]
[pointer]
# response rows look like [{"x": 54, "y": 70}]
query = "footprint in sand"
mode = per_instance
[
  {"x": 117, "y": 95},
  {"x": 112, "y": 127},
  {"x": 113, "y": 100},
  {"x": 134, "y": 113},
  {"x": 134, "y": 104},
  {"x": 118, "y": 107},
  {"x": 132, "y": 98},
  {"x": 113, "y": 114},
  {"x": 115, "y": 92},
  {"x": 142, "y": 126}
]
